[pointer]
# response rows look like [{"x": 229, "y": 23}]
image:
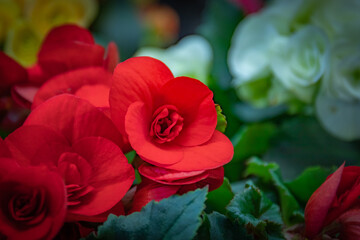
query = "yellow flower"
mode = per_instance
[
  {"x": 46, "y": 14},
  {"x": 22, "y": 43},
  {"x": 9, "y": 12}
]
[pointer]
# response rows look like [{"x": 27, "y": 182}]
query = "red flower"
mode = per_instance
[
  {"x": 162, "y": 183},
  {"x": 32, "y": 201},
  {"x": 73, "y": 137},
  {"x": 335, "y": 202},
  {"x": 72, "y": 50},
  {"x": 170, "y": 122}
]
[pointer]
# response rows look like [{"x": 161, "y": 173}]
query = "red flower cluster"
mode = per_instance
[
  {"x": 66, "y": 162},
  {"x": 334, "y": 208}
]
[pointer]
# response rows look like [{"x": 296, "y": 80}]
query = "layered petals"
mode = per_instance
[
  {"x": 194, "y": 102},
  {"x": 33, "y": 201},
  {"x": 111, "y": 175}
]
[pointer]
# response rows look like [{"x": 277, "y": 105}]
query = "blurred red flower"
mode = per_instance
[
  {"x": 170, "y": 122},
  {"x": 334, "y": 208},
  {"x": 69, "y": 61},
  {"x": 32, "y": 201},
  {"x": 68, "y": 134}
]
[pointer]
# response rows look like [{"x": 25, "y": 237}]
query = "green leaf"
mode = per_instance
[
  {"x": 253, "y": 140},
  {"x": 222, "y": 228},
  {"x": 302, "y": 143},
  {"x": 177, "y": 217},
  {"x": 221, "y": 119},
  {"x": 269, "y": 173},
  {"x": 254, "y": 210},
  {"x": 218, "y": 199},
  {"x": 130, "y": 156},
  {"x": 305, "y": 184}
]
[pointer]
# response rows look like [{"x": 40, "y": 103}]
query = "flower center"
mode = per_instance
[
  {"x": 167, "y": 124},
  {"x": 27, "y": 207},
  {"x": 76, "y": 173}
]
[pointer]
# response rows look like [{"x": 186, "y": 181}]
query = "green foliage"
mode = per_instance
[
  {"x": 305, "y": 184},
  {"x": 302, "y": 143},
  {"x": 254, "y": 210},
  {"x": 221, "y": 119},
  {"x": 269, "y": 174},
  {"x": 222, "y": 228},
  {"x": 177, "y": 217},
  {"x": 218, "y": 199},
  {"x": 252, "y": 140}
]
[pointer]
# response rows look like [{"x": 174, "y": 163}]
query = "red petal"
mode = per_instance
[
  {"x": 31, "y": 178},
  {"x": 137, "y": 127},
  {"x": 74, "y": 118},
  {"x": 171, "y": 177},
  {"x": 148, "y": 191},
  {"x": 24, "y": 94},
  {"x": 72, "y": 82},
  {"x": 11, "y": 72},
  {"x": 34, "y": 145},
  {"x": 215, "y": 153},
  {"x": 319, "y": 203},
  {"x": 4, "y": 151},
  {"x": 350, "y": 188},
  {"x": 36, "y": 75},
  {"x": 111, "y": 177},
  {"x": 195, "y": 104},
  {"x": 117, "y": 210},
  {"x": 68, "y": 33},
  {"x": 66, "y": 56},
  {"x": 112, "y": 57},
  {"x": 350, "y": 225},
  {"x": 136, "y": 79}
]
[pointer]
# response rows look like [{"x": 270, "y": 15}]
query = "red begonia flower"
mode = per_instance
[
  {"x": 165, "y": 183},
  {"x": 65, "y": 48},
  {"x": 339, "y": 193},
  {"x": 32, "y": 201},
  {"x": 95, "y": 171},
  {"x": 170, "y": 122}
]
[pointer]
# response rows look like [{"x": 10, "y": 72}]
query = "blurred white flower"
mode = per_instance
[
  {"x": 191, "y": 56},
  {"x": 300, "y": 60},
  {"x": 338, "y": 103}
]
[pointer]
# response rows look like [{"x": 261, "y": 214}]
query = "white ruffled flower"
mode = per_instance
[
  {"x": 338, "y": 103},
  {"x": 191, "y": 57},
  {"x": 300, "y": 60}
]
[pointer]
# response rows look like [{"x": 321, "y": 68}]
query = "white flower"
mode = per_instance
[
  {"x": 300, "y": 60},
  {"x": 338, "y": 103},
  {"x": 191, "y": 57}
]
